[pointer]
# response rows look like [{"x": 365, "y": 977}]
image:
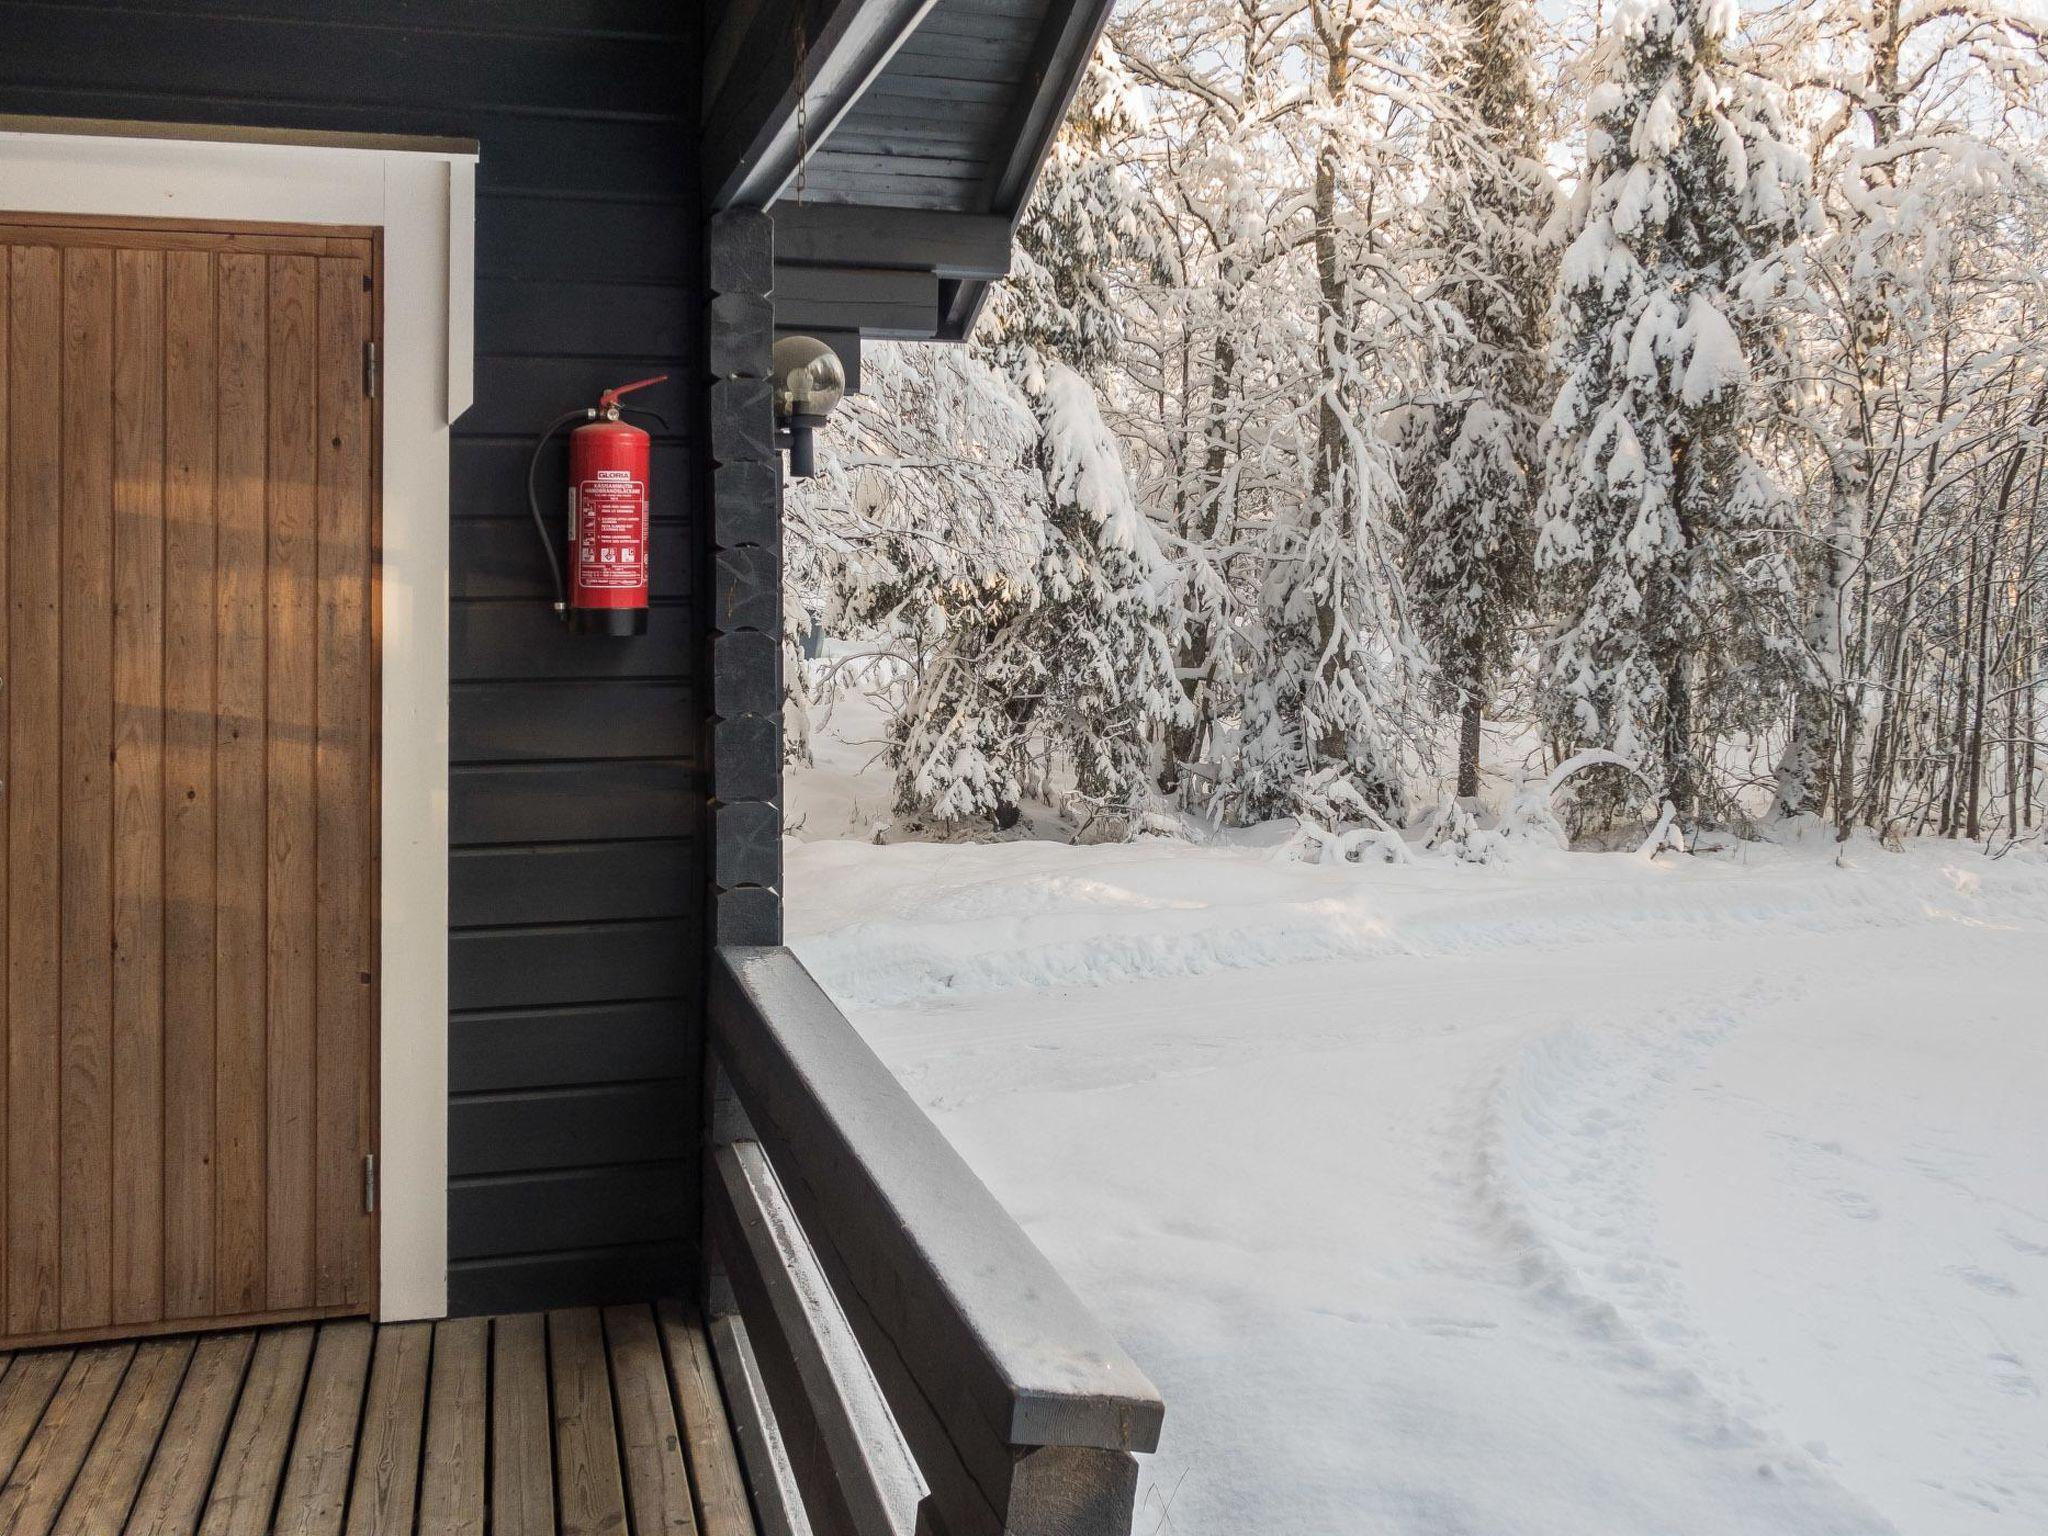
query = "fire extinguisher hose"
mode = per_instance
[{"x": 540, "y": 522}]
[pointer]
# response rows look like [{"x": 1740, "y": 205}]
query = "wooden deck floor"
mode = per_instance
[{"x": 571, "y": 1422}]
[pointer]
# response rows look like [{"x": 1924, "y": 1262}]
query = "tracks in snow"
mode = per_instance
[{"x": 1563, "y": 1183}]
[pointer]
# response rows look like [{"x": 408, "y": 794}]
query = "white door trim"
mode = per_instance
[{"x": 425, "y": 202}]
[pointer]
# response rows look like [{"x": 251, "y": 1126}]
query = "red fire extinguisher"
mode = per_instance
[{"x": 609, "y": 499}]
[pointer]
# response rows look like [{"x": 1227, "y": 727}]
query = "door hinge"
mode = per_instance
[
  {"x": 369, "y": 1183},
  {"x": 370, "y": 369}
]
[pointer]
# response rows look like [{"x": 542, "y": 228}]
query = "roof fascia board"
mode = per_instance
[
  {"x": 1065, "y": 45},
  {"x": 1060, "y": 58}
]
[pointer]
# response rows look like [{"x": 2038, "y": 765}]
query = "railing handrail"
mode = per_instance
[{"x": 964, "y": 1297}]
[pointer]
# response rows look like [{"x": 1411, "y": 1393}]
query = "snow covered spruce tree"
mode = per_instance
[
  {"x": 1686, "y": 226},
  {"x": 1471, "y": 485},
  {"x": 1080, "y": 664}
]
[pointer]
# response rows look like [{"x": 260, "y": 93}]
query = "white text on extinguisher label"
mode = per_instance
[{"x": 611, "y": 531}]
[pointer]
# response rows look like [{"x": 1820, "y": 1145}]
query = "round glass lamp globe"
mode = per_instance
[{"x": 809, "y": 378}]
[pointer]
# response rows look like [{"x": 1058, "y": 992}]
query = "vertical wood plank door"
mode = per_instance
[{"x": 188, "y": 775}]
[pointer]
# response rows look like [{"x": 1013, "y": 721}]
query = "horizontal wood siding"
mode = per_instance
[{"x": 576, "y": 794}]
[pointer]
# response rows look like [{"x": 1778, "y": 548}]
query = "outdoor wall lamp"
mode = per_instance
[{"x": 809, "y": 381}]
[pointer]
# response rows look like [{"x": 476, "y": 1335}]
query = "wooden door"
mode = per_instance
[{"x": 188, "y": 673}]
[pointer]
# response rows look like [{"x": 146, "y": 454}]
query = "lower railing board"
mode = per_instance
[
  {"x": 558, "y": 1425},
  {"x": 778, "y": 1500},
  {"x": 857, "y": 1475}
]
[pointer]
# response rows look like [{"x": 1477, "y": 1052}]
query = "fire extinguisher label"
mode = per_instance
[{"x": 611, "y": 528}]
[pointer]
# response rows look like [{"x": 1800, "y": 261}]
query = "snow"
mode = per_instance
[
  {"x": 1714, "y": 360},
  {"x": 1086, "y": 466},
  {"x": 1568, "y": 1193}
]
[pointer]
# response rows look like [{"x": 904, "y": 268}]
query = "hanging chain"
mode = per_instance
[{"x": 803, "y": 102}]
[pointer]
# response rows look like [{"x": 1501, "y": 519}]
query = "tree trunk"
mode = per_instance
[
  {"x": 1958, "y": 743},
  {"x": 1973, "y": 820},
  {"x": 1804, "y": 771},
  {"x": 1469, "y": 722},
  {"x": 1681, "y": 777},
  {"x": 1332, "y": 493},
  {"x": 2032, "y": 754}
]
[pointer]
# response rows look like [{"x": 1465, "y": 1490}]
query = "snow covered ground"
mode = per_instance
[{"x": 1579, "y": 1195}]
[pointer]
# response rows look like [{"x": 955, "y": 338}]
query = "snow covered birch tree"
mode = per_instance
[
  {"x": 1911, "y": 103},
  {"x": 1471, "y": 468},
  {"x": 1689, "y": 213}
]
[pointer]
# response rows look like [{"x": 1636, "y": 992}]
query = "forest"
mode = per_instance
[{"x": 1483, "y": 411}]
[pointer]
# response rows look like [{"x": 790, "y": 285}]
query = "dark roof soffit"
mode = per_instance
[
  {"x": 1065, "y": 42},
  {"x": 756, "y": 123}
]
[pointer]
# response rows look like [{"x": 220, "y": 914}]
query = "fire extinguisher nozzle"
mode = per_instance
[{"x": 610, "y": 397}]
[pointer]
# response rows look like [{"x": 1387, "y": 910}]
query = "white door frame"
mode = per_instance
[{"x": 424, "y": 199}]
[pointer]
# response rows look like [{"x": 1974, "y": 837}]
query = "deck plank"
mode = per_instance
[
  {"x": 452, "y": 1483},
  {"x": 657, "y": 1482},
  {"x": 574, "y": 1423},
  {"x": 49, "y": 1463},
  {"x": 112, "y": 1474},
  {"x": 722, "y": 1506},
  {"x": 24, "y": 1393},
  {"x": 316, "y": 1479},
  {"x": 394, "y": 1418},
  {"x": 179, "y": 1474},
  {"x": 245, "y": 1487},
  {"x": 589, "y": 1492},
  {"x": 522, "y": 1460}
]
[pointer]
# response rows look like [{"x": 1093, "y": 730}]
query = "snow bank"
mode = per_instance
[{"x": 888, "y": 926}]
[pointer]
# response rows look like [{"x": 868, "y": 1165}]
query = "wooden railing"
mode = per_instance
[{"x": 899, "y": 1357}]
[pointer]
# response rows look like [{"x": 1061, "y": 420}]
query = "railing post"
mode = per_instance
[{"x": 1064, "y": 1490}]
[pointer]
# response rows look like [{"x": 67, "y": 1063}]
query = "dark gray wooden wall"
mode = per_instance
[{"x": 578, "y": 870}]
